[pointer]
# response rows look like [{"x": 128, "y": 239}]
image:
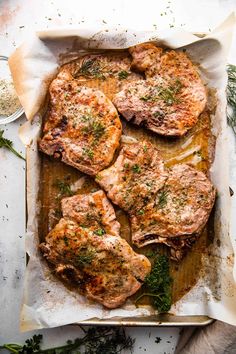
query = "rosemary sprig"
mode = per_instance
[
  {"x": 8, "y": 144},
  {"x": 231, "y": 96}
]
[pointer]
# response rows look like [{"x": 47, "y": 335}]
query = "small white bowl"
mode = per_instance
[{"x": 4, "y": 119}]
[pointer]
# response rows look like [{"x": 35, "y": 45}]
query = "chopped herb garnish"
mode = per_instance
[
  {"x": 162, "y": 199},
  {"x": 64, "y": 188},
  {"x": 85, "y": 257},
  {"x": 99, "y": 232},
  {"x": 90, "y": 68},
  {"x": 66, "y": 240},
  {"x": 140, "y": 212},
  {"x": 88, "y": 152},
  {"x": 136, "y": 168},
  {"x": 167, "y": 94},
  {"x": 95, "y": 128},
  {"x": 8, "y": 144},
  {"x": 145, "y": 148},
  {"x": 159, "y": 284},
  {"x": 123, "y": 74},
  {"x": 102, "y": 340}
]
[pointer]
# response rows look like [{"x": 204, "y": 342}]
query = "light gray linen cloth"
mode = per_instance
[{"x": 216, "y": 338}]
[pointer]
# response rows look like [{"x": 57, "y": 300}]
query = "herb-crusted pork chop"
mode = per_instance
[
  {"x": 85, "y": 250},
  {"x": 178, "y": 213},
  {"x": 82, "y": 127},
  {"x": 135, "y": 177},
  {"x": 113, "y": 69},
  {"x": 172, "y": 97}
]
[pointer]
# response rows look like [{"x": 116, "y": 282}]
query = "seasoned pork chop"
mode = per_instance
[
  {"x": 135, "y": 177},
  {"x": 114, "y": 66},
  {"x": 86, "y": 251},
  {"x": 180, "y": 210},
  {"x": 82, "y": 127},
  {"x": 172, "y": 97}
]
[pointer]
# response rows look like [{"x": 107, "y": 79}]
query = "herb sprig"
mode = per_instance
[
  {"x": 159, "y": 284},
  {"x": 64, "y": 188},
  {"x": 90, "y": 68},
  {"x": 231, "y": 96},
  {"x": 4, "y": 142},
  {"x": 102, "y": 340}
]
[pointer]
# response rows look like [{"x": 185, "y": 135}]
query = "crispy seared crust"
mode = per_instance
[
  {"x": 100, "y": 264},
  {"x": 82, "y": 127}
]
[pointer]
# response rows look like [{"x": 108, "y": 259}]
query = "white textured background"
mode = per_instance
[{"x": 18, "y": 18}]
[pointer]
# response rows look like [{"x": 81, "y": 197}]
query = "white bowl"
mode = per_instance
[{"x": 4, "y": 119}]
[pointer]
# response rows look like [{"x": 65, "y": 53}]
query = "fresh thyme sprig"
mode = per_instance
[
  {"x": 231, "y": 96},
  {"x": 97, "y": 340},
  {"x": 8, "y": 144}
]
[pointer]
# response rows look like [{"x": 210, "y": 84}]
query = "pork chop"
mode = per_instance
[
  {"x": 85, "y": 250},
  {"x": 82, "y": 126},
  {"x": 179, "y": 211},
  {"x": 135, "y": 177},
  {"x": 172, "y": 97}
]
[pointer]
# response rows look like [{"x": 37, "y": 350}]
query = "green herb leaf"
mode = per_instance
[
  {"x": 90, "y": 68},
  {"x": 162, "y": 198},
  {"x": 159, "y": 284},
  {"x": 123, "y": 75},
  {"x": 64, "y": 188},
  {"x": 136, "y": 168},
  {"x": 8, "y": 144},
  {"x": 99, "y": 232},
  {"x": 85, "y": 257},
  {"x": 88, "y": 152}
]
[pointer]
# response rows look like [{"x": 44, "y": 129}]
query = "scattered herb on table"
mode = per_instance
[
  {"x": 159, "y": 284},
  {"x": 96, "y": 340},
  {"x": 231, "y": 96},
  {"x": 4, "y": 142},
  {"x": 158, "y": 339}
]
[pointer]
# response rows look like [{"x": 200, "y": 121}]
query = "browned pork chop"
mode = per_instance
[
  {"x": 180, "y": 210},
  {"x": 102, "y": 66},
  {"x": 172, "y": 97},
  {"x": 135, "y": 177},
  {"x": 82, "y": 127},
  {"x": 85, "y": 250}
]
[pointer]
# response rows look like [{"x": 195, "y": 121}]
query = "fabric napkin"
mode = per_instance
[{"x": 217, "y": 338}]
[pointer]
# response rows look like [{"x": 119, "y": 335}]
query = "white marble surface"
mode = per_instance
[{"x": 18, "y": 18}]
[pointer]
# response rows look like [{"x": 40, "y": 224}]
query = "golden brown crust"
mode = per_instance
[
  {"x": 82, "y": 126},
  {"x": 83, "y": 253}
]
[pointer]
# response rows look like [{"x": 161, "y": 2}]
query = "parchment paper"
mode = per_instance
[{"x": 47, "y": 302}]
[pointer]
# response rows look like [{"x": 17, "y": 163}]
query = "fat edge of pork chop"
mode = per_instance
[
  {"x": 85, "y": 250},
  {"x": 82, "y": 126},
  {"x": 179, "y": 212}
]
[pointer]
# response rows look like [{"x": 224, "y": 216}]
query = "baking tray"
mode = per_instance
[{"x": 199, "y": 142}]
